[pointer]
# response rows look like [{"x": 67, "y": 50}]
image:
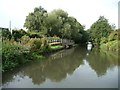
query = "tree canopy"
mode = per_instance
[
  {"x": 36, "y": 20},
  {"x": 101, "y": 28},
  {"x": 55, "y": 23}
]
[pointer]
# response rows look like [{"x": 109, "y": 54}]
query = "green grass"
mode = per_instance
[{"x": 56, "y": 47}]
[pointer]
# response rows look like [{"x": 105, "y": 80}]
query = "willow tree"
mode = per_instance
[{"x": 35, "y": 21}]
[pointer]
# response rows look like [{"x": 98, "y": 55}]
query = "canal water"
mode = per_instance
[{"x": 71, "y": 68}]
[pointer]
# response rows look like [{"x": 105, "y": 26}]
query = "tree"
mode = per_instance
[
  {"x": 101, "y": 28},
  {"x": 76, "y": 30},
  {"x": 53, "y": 24},
  {"x": 35, "y": 21},
  {"x": 55, "y": 21},
  {"x": 66, "y": 31}
]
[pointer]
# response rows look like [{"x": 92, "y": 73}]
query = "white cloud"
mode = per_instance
[{"x": 86, "y": 11}]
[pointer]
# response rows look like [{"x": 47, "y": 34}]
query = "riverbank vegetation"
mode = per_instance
[
  {"x": 20, "y": 46},
  {"x": 104, "y": 36},
  {"x": 112, "y": 42}
]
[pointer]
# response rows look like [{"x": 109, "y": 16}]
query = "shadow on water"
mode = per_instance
[{"x": 57, "y": 66}]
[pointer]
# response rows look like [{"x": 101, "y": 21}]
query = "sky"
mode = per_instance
[{"x": 85, "y": 11}]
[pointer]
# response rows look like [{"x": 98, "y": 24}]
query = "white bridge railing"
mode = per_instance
[{"x": 60, "y": 41}]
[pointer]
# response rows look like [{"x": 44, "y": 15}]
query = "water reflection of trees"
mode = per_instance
[
  {"x": 102, "y": 61},
  {"x": 56, "y": 67}
]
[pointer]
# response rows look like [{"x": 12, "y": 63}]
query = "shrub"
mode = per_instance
[
  {"x": 25, "y": 39},
  {"x": 35, "y": 45},
  {"x": 12, "y": 55},
  {"x": 111, "y": 46},
  {"x": 6, "y": 34},
  {"x": 38, "y": 45}
]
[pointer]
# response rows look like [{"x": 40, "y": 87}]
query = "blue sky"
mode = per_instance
[{"x": 85, "y": 11}]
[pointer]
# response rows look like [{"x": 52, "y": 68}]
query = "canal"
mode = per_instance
[{"x": 71, "y": 68}]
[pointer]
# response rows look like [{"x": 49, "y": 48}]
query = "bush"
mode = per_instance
[
  {"x": 45, "y": 45},
  {"x": 111, "y": 46},
  {"x": 12, "y": 55},
  {"x": 35, "y": 45},
  {"x": 38, "y": 45},
  {"x": 6, "y": 34},
  {"x": 25, "y": 39}
]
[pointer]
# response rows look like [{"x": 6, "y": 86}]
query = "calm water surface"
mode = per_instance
[{"x": 71, "y": 68}]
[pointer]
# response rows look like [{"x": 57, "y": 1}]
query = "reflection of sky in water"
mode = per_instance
[{"x": 74, "y": 70}]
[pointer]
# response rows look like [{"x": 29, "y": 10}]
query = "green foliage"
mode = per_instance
[
  {"x": 16, "y": 53},
  {"x": 113, "y": 36},
  {"x": 112, "y": 42},
  {"x": 66, "y": 31},
  {"x": 84, "y": 37},
  {"x": 53, "y": 38},
  {"x": 12, "y": 55},
  {"x": 5, "y": 33},
  {"x": 17, "y": 34},
  {"x": 33, "y": 34},
  {"x": 35, "y": 44},
  {"x": 110, "y": 46},
  {"x": 35, "y": 21},
  {"x": 55, "y": 23},
  {"x": 118, "y": 30},
  {"x": 60, "y": 13},
  {"x": 36, "y": 56},
  {"x": 45, "y": 45},
  {"x": 101, "y": 28},
  {"x": 103, "y": 40},
  {"x": 38, "y": 45},
  {"x": 24, "y": 40},
  {"x": 63, "y": 26}
]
